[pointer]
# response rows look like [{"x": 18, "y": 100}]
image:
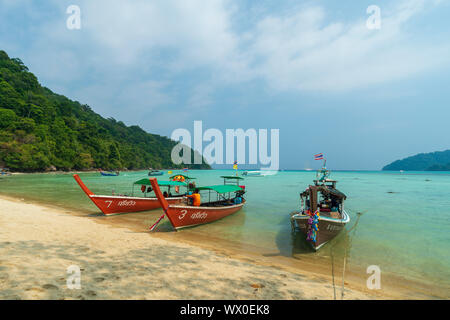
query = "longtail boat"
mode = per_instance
[
  {"x": 109, "y": 173},
  {"x": 253, "y": 173},
  {"x": 155, "y": 173},
  {"x": 322, "y": 215},
  {"x": 115, "y": 204},
  {"x": 4, "y": 172},
  {"x": 228, "y": 200}
]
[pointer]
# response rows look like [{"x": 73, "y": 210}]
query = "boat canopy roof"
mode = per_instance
[
  {"x": 221, "y": 188},
  {"x": 232, "y": 177},
  {"x": 182, "y": 175},
  {"x": 161, "y": 183},
  {"x": 326, "y": 190}
]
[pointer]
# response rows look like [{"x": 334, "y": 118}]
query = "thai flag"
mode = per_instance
[
  {"x": 318, "y": 156},
  {"x": 185, "y": 169}
]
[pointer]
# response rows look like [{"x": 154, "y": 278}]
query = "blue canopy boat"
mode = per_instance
[
  {"x": 155, "y": 173},
  {"x": 109, "y": 174}
]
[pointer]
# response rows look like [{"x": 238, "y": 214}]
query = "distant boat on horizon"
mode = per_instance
[
  {"x": 4, "y": 172},
  {"x": 259, "y": 173},
  {"x": 109, "y": 173},
  {"x": 252, "y": 173},
  {"x": 155, "y": 173}
]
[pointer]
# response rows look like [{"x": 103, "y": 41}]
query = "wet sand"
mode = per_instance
[{"x": 38, "y": 243}]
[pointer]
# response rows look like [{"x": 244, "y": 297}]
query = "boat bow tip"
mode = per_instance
[{"x": 82, "y": 185}]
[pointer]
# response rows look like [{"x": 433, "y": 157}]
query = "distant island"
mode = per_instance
[
  {"x": 41, "y": 130},
  {"x": 434, "y": 161}
]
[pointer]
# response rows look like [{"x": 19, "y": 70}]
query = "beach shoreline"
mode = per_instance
[
  {"x": 394, "y": 286},
  {"x": 93, "y": 171},
  {"x": 38, "y": 243}
]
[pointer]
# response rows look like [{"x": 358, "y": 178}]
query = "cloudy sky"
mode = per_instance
[{"x": 311, "y": 69}]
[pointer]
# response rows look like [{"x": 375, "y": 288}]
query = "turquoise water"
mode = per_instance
[{"x": 404, "y": 226}]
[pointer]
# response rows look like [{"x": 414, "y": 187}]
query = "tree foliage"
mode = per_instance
[
  {"x": 40, "y": 129},
  {"x": 434, "y": 161}
]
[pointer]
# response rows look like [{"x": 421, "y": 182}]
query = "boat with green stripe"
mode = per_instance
[{"x": 218, "y": 201}]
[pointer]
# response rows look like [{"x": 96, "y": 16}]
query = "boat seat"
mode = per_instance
[{"x": 335, "y": 215}]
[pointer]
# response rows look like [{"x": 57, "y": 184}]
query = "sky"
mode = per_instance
[{"x": 312, "y": 69}]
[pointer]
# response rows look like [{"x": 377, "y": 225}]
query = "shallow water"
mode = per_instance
[{"x": 404, "y": 226}]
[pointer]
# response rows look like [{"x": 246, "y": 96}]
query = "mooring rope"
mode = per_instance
[
  {"x": 343, "y": 274},
  {"x": 332, "y": 272},
  {"x": 359, "y": 214}
]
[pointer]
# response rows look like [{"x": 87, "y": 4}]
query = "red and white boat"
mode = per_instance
[
  {"x": 229, "y": 200},
  {"x": 116, "y": 204}
]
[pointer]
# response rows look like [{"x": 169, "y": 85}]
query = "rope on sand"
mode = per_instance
[
  {"x": 332, "y": 272},
  {"x": 345, "y": 251}
]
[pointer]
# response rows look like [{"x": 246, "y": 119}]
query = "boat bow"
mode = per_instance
[{"x": 82, "y": 185}]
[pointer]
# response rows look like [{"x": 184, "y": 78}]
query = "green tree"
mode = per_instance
[
  {"x": 39, "y": 129},
  {"x": 7, "y": 118}
]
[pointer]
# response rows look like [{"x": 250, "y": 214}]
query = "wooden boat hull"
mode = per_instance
[
  {"x": 182, "y": 216},
  {"x": 189, "y": 216},
  {"x": 110, "y": 205},
  {"x": 121, "y": 204},
  {"x": 328, "y": 228}
]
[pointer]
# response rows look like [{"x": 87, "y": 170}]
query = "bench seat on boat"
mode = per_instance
[{"x": 335, "y": 215}]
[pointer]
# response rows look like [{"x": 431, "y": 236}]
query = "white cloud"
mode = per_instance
[
  {"x": 196, "y": 32},
  {"x": 201, "y": 97},
  {"x": 303, "y": 52},
  {"x": 135, "y": 51}
]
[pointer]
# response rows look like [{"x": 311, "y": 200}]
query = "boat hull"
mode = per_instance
[
  {"x": 328, "y": 228},
  {"x": 155, "y": 174},
  {"x": 123, "y": 204},
  {"x": 117, "y": 204},
  {"x": 189, "y": 216},
  {"x": 105, "y": 174},
  {"x": 181, "y": 216}
]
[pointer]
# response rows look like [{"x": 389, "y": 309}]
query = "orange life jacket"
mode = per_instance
[{"x": 196, "y": 199}]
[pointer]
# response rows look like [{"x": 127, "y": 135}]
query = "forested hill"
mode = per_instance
[
  {"x": 40, "y": 130},
  {"x": 434, "y": 161}
]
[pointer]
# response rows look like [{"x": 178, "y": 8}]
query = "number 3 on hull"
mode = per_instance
[{"x": 229, "y": 199}]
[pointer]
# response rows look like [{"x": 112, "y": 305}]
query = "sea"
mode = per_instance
[{"x": 400, "y": 222}]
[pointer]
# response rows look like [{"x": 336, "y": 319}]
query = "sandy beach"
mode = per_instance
[{"x": 38, "y": 244}]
